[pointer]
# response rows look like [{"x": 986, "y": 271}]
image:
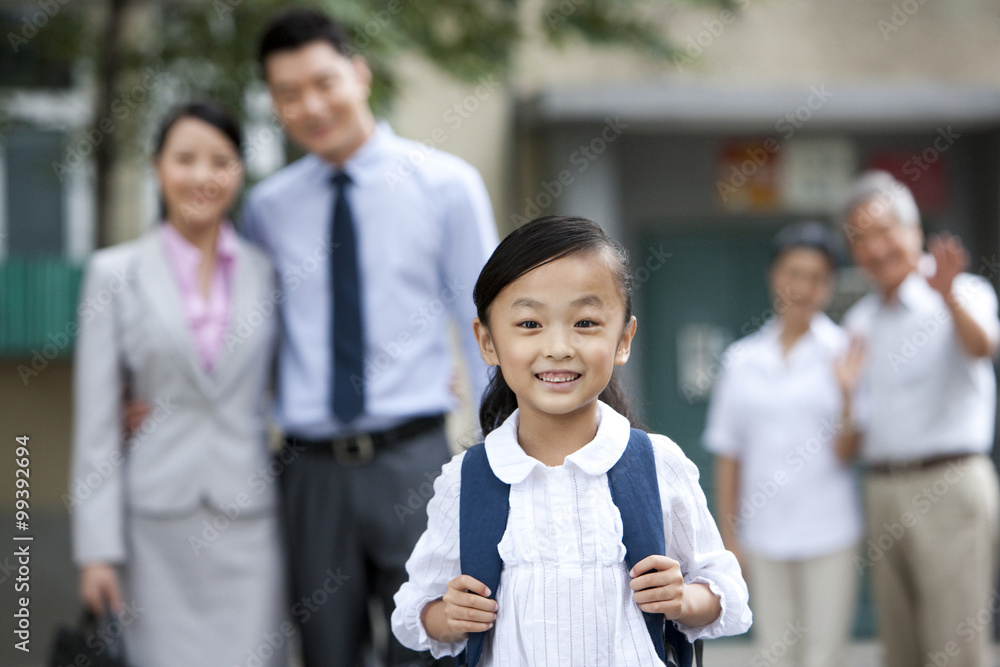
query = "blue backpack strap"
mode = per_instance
[
  {"x": 636, "y": 493},
  {"x": 483, "y": 506}
]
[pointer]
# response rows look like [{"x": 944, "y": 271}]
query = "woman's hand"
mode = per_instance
[
  {"x": 134, "y": 413},
  {"x": 99, "y": 588},
  {"x": 465, "y": 607},
  {"x": 849, "y": 366}
]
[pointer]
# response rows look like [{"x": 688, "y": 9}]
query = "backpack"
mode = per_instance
[{"x": 483, "y": 519}]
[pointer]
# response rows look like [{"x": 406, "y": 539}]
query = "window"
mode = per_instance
[{"x": 34, "y": 201}]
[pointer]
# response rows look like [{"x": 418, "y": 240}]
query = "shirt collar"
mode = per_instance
[
  {"x": 914, "y": 293},
  {"x": 189, "y": 256},
  {"x": 822, "y": 331},
  {"x": 512, "y": 465},
  {"x": 770, "y": 330},
  {"x": 364, "y": 162},
  {"x": 225, "y": 246}
]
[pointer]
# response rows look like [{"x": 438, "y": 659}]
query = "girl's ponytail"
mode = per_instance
[
  {"x": 499, "y": 402},
  {"x": 617, "y": 398}
]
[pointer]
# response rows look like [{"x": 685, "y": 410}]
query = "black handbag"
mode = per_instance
[{"x": 98, "y": 641}]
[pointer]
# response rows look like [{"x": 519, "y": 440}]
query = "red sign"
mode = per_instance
[
  {"x": 924, "y": 171},
  {"x": 747, "y": 176}
]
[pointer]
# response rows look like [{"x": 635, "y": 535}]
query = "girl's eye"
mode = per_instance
[
  {"x": 530, "y": 324},
  {"x": 586, "y": 323}
]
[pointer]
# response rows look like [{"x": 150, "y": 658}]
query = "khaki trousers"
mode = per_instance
[
  {"x": 802, "y": 609},
  {"x": 932, "y": 542}
]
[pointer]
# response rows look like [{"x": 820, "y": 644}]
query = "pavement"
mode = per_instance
[{"x": 740, "y": 652}]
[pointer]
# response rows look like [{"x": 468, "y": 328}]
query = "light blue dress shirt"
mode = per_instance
[{"x": 425, "y": 229}]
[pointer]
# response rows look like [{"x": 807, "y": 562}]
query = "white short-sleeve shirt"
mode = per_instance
[
  {"x": 780, "y": 417},
  {"x": 564, "y": 596},
  {"x": 925, "y": 396}
]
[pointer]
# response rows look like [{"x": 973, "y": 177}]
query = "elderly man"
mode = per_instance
[{"x": 931, "y": 491}]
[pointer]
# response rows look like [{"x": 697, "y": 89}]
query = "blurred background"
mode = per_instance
[{"x": 691, "y": 129}]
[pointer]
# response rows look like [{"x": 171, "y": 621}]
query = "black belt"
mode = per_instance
[
  {"x": 895, "y": 467},
  {"x": 360, "y": 449}
]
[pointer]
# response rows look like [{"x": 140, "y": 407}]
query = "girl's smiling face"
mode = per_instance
[{"x": 557, "y": 333}]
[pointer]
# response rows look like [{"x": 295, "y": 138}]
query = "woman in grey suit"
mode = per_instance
[{"x": 174, "y": 526}]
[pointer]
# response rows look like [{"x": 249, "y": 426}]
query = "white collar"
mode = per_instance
[
  {"x": 365, "y": 162},
  {"x": 914, "y": 293},
  {"x": 512, "y": 465},
  {"x": 822, "y": 330}
]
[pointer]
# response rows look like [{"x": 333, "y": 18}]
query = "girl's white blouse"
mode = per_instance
[{"x": 564, "y": 596}]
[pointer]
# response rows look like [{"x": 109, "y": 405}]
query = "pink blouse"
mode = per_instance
[{"x": 209, "y": 317}]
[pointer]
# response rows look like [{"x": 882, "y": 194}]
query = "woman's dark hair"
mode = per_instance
[
  {"x": 208, "y": 112},
  {"x": 811, "y": 235},
  {"x": 295, "y": 28},
  {"x": 539, "y": 242}
]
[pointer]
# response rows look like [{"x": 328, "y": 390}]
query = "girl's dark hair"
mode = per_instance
[
  {"x": 539, "y": 242},
  {"x": 295, "y": 28},
  {"x": 208, "y": 112}
]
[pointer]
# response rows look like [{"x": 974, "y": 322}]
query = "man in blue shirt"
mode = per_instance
[{"x": 361, "y": 446}]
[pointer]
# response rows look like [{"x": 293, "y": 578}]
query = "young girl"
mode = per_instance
[{"x": 555, "y": 317}]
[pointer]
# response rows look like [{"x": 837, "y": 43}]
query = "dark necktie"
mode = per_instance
[{"x": 348, "y": 328}]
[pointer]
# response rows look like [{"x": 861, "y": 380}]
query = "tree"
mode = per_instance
[{"x": 207, "y": 49}]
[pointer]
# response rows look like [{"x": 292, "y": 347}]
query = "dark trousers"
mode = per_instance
[{"x": 349, "y": 532}]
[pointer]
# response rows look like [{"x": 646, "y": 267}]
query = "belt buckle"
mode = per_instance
[{"x": 354, "y": 451}]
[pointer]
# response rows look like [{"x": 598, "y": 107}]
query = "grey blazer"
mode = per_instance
[{"x": 205, "y": 439}]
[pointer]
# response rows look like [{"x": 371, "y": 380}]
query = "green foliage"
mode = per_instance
[
  {"x": 207, "y": 48},
  {"x": 39, "y": 47},
  {"x": 609, "y": 22},
  {"x": 210, "y": 47}
]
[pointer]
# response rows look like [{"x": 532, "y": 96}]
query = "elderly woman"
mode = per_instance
[
  {"x": 174, "y": 528},
  {"x": 779, "y": 424}
]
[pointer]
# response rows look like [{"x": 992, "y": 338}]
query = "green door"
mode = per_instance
[{"x": 710, "y": 291}]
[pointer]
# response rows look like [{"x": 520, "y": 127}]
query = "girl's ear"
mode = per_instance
[
  {"x": 485, "y": 340},
  {"x": 625, "y": 344}
]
